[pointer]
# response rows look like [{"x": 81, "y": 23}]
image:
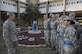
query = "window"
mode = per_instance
[
  {"x": 8, "y": 3},
  {"x": 58, "y": 4},
  {"x": 50, "y": 5},
  {"x": 79, "y": 1},
  {"x": 73, "y": 2},
  {"x": 14, "y": 4},
  {"x": 43, "y": 7},
  {"x": 22, "y": 7},
  {"x": 69, "y": 3},
  {"x": 54, "y": 5},
  {"x": 4, "y": 2},
  {"x": 62, "y": 4}
]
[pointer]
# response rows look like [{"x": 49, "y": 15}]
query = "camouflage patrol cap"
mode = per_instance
[
  {"x": 57, "y": 15},
  {"x": 10, "y": 14},
  {"x": 62, "y": 17},
  {"x": 72, "y": 14},
  {"x": 70, "y": 19},
  {"x": 51, "y": 14}
]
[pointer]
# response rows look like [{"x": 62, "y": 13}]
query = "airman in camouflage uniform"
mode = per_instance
[
  {"x": 54, "y": 24},
  {"x": 70, "y": 37},
  {"x": 10, "y": 34},
  {"x": 60, "y": 34},
  {"x": 76, "y": 26},
  {"x": 47, "y": 31},
  {"x": 80, "y": 44}
]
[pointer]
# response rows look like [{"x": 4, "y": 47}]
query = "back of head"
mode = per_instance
[
  {"x": 63, "y": 16},
  {"x": 53, "y": 15},
  {"x": 68, "y": 18},
  {"x": 57, "y": 15},
  {"x": 72, "y": 14},
  {"x": 45, "y": 17},
  {"x": 10, "y": 14}
]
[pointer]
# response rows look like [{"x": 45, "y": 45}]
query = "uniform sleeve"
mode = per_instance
[
  {"x": 48, "y": 25},
  {"x": 6, "y": 32},
  {"x": 73, "y": 37},
  {"x": 78, "y": 28},
  {"x": 16, "y": 30},
  {"x": 56, "y": 24},
  {"x": 17, "y": 33},
  {"x": 58, "y": 28}
]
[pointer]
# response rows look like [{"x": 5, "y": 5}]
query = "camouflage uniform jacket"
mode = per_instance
[
  {"x": 9, "y": 31},
  {"x": 61, "y": 29},
  {"x": 70, "y": 35}
]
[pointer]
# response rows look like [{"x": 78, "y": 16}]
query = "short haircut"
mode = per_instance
[{"x": 10, "y": 14}]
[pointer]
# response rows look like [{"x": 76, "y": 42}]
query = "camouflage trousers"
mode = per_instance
[
  {"x": 74, "y": 52},
  {"x": 53, "y": 40},
  {"x": 60, "y": 45},
  {"x": 47, "y": 38},
  {"x": 12, "y": 48},
  {"x": 70, "y": 49},
  {"x": 80, "y": 48}
]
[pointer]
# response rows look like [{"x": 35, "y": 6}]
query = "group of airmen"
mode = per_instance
[{"x": 63, "y": 33}]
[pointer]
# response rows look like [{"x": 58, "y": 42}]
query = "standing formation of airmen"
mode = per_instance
[{"x": 64, "y": 33}]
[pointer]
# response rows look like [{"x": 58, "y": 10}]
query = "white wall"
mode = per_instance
[
  {"x": 74, "y": 5},
  {"x": 43, "y": 10},
  {"x": 8, "y": 6},
  {"x": 23, "y": 1},
  {"x": 55, "y": 8},
  {"x": 22, "y": 9}
]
